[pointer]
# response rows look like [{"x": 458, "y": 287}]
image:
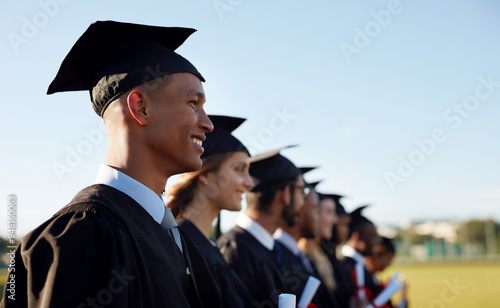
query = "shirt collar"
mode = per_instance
[
  {"x": 287, "y": 240},
  {"x": 148, "y": 199},
  {"x": 348, "y": 251},
  {"x": 256, "y": 230}
]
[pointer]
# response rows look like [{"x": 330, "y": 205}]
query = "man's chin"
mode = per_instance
[
  {"x": 196, "y": 164},
  {"x": 188, "y": 166}
]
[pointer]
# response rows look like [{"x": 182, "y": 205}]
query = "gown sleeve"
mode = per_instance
[{"x": 90, "y": 270}]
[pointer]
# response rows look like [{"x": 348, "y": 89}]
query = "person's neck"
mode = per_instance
[
  {"x": 370, "y": 264},
  {"x": 201, "y": 212},
  {"x": 132, "y": 162},
  {"x": 267, "y": 220},
  {"x": 354, "y": 245},
  {"x": 293, "y": 232}
]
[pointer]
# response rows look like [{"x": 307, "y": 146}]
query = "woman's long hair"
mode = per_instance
[
  {"x": 183, "y": 192},
  {"x": 313, "y": 250}
]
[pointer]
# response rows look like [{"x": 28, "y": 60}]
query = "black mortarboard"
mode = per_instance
[
  {"x": 220, "y": 139},
  {"x": 387, "y": 243},
  {"x": 339, "y": 208},
  {"x": 357, "y": 218},
  {"x": 111, "y": 58},
  {"x": 273, "y": 171},
  {"x": 313, "y": 184},
  {"x": 304, "y": 170}
]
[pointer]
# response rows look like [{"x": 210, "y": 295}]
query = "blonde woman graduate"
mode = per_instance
[{"x": 199, "y": 196}]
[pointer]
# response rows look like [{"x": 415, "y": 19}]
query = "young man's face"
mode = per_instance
[
  {"x": 297, "y": 190},
  {"x": 178, "y": 124},
  {"x": 368, "y": 239}
]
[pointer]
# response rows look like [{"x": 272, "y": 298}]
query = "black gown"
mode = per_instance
[
  {"x": 233, "y": 291},
  {"x": 372, "y": 289},
  {"x": 295, "y": 276},
  {"x": 254, "y": 264},
  {"x": 105, "y": 250},
  {"x": 343, "y": 280}
]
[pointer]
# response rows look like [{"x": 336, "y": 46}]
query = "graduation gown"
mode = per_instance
[
  {"x": 295, "y": 277},
  {"x": 254, "y": 264},
  {"x": 345, "y": 286},
  {"x": 233, "y": 291},
  {"x": 381, "y": 287},
  {"x": 372, "y": 288},
  {"x": 104, "y": 249}
]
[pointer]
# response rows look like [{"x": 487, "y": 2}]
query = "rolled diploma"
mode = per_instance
[
  {"x": 286, "y": 300},
  {"x": 394, "y": 286},
  {"x": 310, "y": 289}
]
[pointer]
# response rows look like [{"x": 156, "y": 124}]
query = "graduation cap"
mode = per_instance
[
  {"x": 111, "y": 58},
  {"x": 339, "y": 208},
  {"x": 271, "y": 169},
  {"x": 387, "y": 243},
  {"x": 357, "y": 218},
  {"x": 304, "y": 170},
  {"x": 313, "y": 184},
  {"x": 220, "y": 139}
]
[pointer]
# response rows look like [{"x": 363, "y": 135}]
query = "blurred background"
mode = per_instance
[{"x": 395, "y": 102}]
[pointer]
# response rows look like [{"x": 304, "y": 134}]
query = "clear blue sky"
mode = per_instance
[{"x": 357, "y": 84}]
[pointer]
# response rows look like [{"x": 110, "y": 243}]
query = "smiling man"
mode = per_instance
[{"x": 115, "y": 244}]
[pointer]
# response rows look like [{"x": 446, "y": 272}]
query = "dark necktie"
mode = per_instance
[
  {"x": 277, "y": 252},
  {"x": 168, "y": 223},
  {"x": 306, "y": 262}
]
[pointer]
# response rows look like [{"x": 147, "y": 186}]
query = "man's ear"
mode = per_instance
[
  {"x": 285, "y": 195},
  {"x": 136, "y": 104}
]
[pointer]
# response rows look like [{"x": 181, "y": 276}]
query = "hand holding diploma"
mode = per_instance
[
  {"x": 395, "y": 284},
  {"x": 310, "y": 289},
  {"x": 286, "y": 300}
]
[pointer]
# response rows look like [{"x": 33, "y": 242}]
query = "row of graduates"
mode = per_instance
[
  {"x": 116, "y": 244},
  {"x": 287, "y": 233}
]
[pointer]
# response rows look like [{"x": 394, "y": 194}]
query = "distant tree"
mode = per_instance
[{"x": 476, "y": 232}]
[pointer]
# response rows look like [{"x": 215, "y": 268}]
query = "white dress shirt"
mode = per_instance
[
  {"x": 359, "y": 268},
  {"x": 256, "y": 230},
  {"x": 287, "y": 240},
  {"x": 148, "y": 199}
]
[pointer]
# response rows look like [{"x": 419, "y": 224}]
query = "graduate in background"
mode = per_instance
[
  {"x": 115, "y": 244},
  {"x": 361, "y": 243},
  {"x": 382, "y": 257},
  {"x": 312, "y": 247},
  {"x": 296, "y": 267},
  {"x": 199, "y": 196},
  {"x": 340, "y": 232},
  {"x": 249, "y": 247}
]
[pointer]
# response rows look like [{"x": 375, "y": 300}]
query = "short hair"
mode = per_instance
[
  {"x": 387, "y": 244},
  {"x": 262, "y": 200},
  {"x": 147, "y": 87},
  {"x": 157, "y": 83}
]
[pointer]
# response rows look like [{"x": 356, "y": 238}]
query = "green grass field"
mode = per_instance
[
  {"x": 453, "y": 285},
  {"x": 450, "y": 285},
  {"x": 3, "y": 279}
]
